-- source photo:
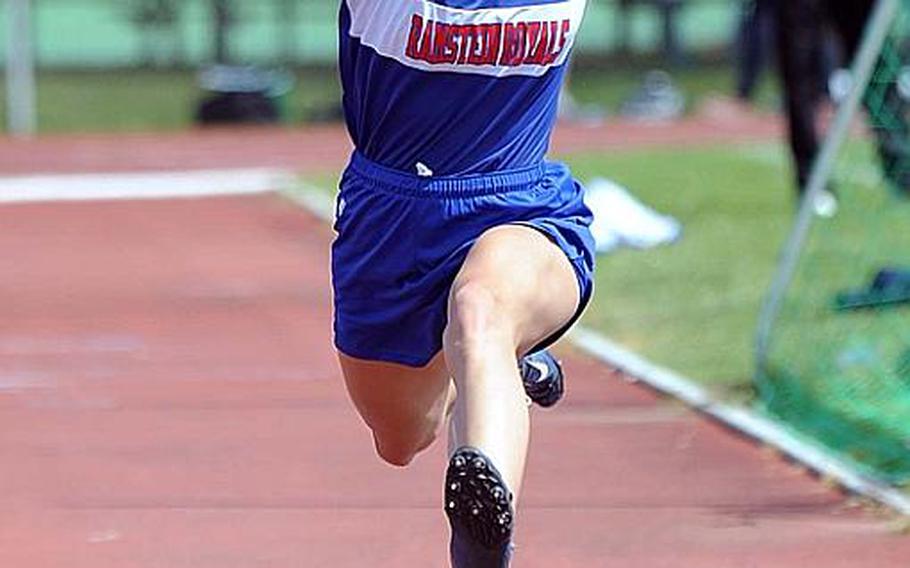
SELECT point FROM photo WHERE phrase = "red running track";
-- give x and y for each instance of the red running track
(169, 399)
(326, 148)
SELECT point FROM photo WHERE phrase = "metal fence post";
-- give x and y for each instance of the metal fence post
(20, 69)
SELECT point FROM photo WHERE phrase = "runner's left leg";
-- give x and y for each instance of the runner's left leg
(514, 290)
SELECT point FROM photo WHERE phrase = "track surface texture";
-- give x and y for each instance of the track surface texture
(169, 399)
(327, 148)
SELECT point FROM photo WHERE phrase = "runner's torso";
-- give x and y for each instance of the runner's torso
(458, 86)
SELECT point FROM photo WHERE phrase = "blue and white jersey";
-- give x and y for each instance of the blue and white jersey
(454, 87)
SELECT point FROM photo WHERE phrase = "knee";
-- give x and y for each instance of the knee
(399, 451)
(476, 312)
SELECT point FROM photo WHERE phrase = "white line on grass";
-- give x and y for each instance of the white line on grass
(312, 198)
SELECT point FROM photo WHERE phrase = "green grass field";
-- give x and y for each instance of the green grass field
(143, 101)
(844, 375)
(693, 306)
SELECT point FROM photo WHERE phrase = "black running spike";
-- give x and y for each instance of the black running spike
(478, 502)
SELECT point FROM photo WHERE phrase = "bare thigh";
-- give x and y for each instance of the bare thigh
(531, 281)
(403, 406)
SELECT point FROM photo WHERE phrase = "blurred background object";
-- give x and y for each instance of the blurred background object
(657, 98)
(238, 94)
(825, 367)
(19, 69)
(621, 220)
(157, 22)
(669, 13)
(755, 44)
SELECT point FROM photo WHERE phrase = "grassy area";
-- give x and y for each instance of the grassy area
(125, 101)
(844, 376)
(138, 100)
(693, 306)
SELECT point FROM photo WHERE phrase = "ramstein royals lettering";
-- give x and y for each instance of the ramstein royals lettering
(510, 44)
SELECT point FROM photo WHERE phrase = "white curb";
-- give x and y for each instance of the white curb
(742, 419)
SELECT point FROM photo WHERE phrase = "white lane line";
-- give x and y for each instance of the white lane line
(142, 185)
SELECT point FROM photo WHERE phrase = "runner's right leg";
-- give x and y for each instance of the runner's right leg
(403, 406)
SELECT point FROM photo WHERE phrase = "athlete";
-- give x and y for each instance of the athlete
(461, 253)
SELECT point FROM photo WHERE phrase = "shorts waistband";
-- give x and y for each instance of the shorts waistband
(405, 183)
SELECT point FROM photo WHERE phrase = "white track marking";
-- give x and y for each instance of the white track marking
(142, 185)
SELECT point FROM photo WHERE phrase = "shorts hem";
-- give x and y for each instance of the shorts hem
(406, 359)
(586, 295)
(584, 279)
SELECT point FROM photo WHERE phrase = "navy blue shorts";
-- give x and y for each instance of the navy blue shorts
(401, 240)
